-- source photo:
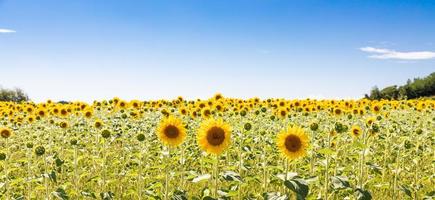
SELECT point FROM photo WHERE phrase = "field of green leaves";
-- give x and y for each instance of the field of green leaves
(219, 148)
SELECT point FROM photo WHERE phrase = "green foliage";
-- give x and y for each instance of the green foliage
(298, 186)
(15, 95)
(419, 87)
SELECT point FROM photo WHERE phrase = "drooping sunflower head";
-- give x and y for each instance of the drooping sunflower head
(171, 131)
(5, 133)
(355, 131)
(293, 142)
(214, 136)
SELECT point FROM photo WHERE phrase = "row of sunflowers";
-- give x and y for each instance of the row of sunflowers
(220, 148)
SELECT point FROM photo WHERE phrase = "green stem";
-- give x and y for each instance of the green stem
(361, 166)
(139, 179)
(327, 170)
(29, 173)
(6, 168)
(263, 155)
(167, 174)
(216, 176)
(396, 174)
(76, 173)
(416, 174)
(104, 166)
(47, 189)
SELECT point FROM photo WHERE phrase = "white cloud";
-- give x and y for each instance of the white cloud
(392, 54)
(7, 31)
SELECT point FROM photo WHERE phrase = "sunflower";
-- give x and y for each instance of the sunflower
(171, 131)
(63, 112)
(98, 124)
(30, 119)
(214, 136)
(63, 124)
(370, 121)
(292, 142)
(183, 111)
(41, 112)
(206, 113)
(337, 111)
(122, 104)
(356, 131)
(376, 107)
(282, 113)
(5, 133)
(88, 113)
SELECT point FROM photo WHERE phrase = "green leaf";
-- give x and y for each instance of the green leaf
(53, 176)
(359, 145)
(298, 186)
(59, 162)
(275, 196)
(375, 168)
(20, 198)
(179, 195)
(231, 176)
(290, 175)
(107, 195)
(326, 151)
(201, 178)
(429, 195)
(340, 182)
(406, 190)
(362, 194)
(60, 194)
(89, 194)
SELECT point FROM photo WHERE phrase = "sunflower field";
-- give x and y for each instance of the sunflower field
(220, 148)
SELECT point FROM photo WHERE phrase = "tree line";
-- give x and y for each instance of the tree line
(419, 87)
(15, 95)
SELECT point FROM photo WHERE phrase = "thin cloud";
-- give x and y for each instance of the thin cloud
(7, 31)
(392, 54)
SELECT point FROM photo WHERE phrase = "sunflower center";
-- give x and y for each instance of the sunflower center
(171, 131)
(293, 143)
(215, 136)
(355, 131)
(5, 133)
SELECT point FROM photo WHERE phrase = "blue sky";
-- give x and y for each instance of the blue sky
(98, 49)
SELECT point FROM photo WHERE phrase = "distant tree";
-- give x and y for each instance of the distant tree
(419, 87)
(15, 95)
(390, 92)
(375, 93)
